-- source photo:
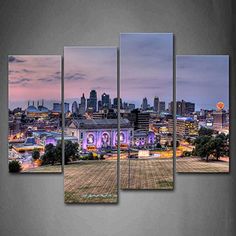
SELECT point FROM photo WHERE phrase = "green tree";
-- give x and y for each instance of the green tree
(58, 153)
(35, 154)
(71, 150)
(49, 156)
(205, 132)
(14, 166)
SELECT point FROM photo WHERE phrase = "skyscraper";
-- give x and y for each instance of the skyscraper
(187, 107)
(156, 105)
(145, 104)
(99, 105)
(82, 105)
(115, 103)
(74, 108)
(162, 106)
(140, 119)
(92, 101)
(105, 100)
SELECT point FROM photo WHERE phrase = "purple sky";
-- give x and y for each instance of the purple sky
(203, 80)
(87, 68)
(146, 67)
(34, 78)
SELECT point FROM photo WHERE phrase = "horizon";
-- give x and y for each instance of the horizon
(204, 78)
(33, 77)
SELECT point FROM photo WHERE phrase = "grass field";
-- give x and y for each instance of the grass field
(196, 165)
(146, 174)
(91, 182)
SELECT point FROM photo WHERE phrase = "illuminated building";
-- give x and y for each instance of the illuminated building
(185, 126)
(143, 138)
(36, 112)
(30, 144)
(95, 134)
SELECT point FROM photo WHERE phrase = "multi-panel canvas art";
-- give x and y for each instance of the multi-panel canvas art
(202, 113)
(90, 93)
(118, 130)
(146, 109)
(35, 123)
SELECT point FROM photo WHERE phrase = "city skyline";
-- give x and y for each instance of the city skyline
(204, 79)
(29, 74)
(146, 66)
(88, 68)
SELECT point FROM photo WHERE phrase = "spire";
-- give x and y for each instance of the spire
(42, 102)
(38, 103)
(33, 103)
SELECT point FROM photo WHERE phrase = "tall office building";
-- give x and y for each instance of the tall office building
(115, 103)
(99, 105)
(156, 105)
(179, 108)
(219, 119)
(184, 108)
(57, 107)
(140, 119)
(162, 106)
(145, 104)
(131, 106)
(188, 107)
(92, 101)
(74, 108)
(82, 105)
(105, 100)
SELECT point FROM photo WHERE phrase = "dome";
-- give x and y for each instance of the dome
(43, 109)
(32, 108)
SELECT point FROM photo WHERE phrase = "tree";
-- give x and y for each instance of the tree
(71, 150)
(14, 166)
(201, 146)
(205, 132)
(35, 154)
(49, 156)
(187, 154)
(90, 156)
(58, 153)
(159, 145)
(206, 146)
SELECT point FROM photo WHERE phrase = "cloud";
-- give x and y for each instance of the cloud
(51, 78)
(28, 71)
(13, 59)
(75, 76)
(20, 81)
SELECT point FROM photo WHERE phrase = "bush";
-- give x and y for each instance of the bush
(90, 156)
(35, 154)
(187, 154)
(14, 166)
